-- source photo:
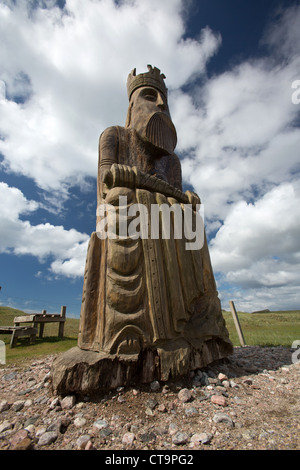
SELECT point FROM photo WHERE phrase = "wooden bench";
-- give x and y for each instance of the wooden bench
(39, 319)
(18, 332)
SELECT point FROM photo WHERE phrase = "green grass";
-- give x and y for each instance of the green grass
(279, 328)
(264, 329)
(49, 344)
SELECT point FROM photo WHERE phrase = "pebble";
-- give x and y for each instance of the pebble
(180, 438)
(173, 428)
(219, 400)
(5, 426)
(31, 418)
(47, 438)
(202, 437)
(20, 440)
(68, 402)
(4, 405)
(79, 422)
(82, 441)
(184, 395)
(18, 405)
(191, 410)
(100, 424)
(223, 418)
(155, 386)
(128, 438)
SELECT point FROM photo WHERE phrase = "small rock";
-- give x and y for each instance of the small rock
(68, 402)
(162, 408)
(180, 438)
(30, 428)
(233, 384)
(147, 437)
(4, 405)
(20, 440)
(184, 395)
(5, 426)
(47, 438)
(173, 428)
(222, 377)
(155, 386)
(105, 432)
(191, 410)
(100, 424)
(18, 405)
(82, 441)
(40, 430)
(223, 418)
(54, 403)
(151, 403)
(219, 400)
(10, 376)
(128, 438)
(226, 383)
(202, 437)
(89, 446)
(31, 420)
(79, 422)
(28, 403)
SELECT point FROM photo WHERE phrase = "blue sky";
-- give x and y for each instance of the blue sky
(229, 67)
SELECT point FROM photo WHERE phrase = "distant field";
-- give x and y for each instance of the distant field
(279, 328)
(264, 329)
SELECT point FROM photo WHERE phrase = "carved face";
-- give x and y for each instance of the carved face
(150, 117)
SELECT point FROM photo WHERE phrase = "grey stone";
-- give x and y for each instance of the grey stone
(223, 418)
(47, 438)
(4, 405)
(68, 402)
(180, 438)
(83, 440)
(191, 410)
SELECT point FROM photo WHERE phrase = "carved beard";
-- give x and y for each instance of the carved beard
(161, 133)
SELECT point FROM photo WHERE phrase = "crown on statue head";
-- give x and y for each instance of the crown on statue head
(151, 78)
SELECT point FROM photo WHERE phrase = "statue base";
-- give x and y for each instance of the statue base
(83, 372)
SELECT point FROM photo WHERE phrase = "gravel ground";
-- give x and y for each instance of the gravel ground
(250, 401)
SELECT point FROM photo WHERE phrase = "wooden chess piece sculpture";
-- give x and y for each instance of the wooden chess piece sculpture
(150, 308)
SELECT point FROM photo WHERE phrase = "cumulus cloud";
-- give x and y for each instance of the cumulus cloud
(259, 244)
(67, 70)
(240, 140)
(67, 247)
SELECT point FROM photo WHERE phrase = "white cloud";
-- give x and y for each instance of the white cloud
(67, 247)
(264, 229)
(241, 141)
(71, 66)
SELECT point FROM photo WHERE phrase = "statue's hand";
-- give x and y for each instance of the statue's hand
(120, 175)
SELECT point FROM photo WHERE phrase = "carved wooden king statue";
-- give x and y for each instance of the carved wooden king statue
(150, 309)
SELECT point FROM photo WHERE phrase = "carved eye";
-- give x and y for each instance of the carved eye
(149, 94)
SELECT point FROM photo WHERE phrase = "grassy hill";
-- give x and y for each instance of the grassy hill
(279, 328)
(265, 329)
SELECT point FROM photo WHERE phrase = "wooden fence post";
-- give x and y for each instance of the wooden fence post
(42, 325)
(62, 323)
(237, 323)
